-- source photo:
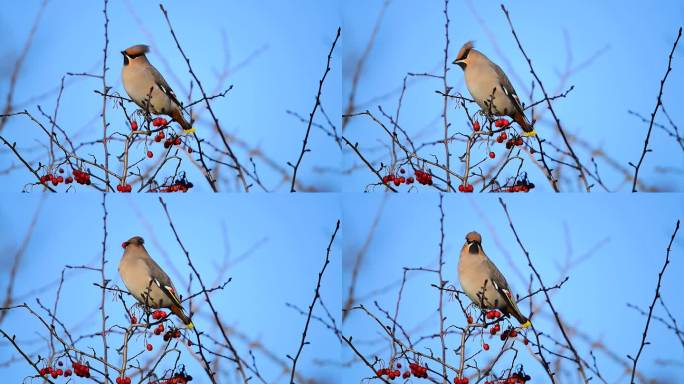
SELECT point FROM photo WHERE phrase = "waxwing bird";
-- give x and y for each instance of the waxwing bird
(490, 87)
(147, 87)
(147, 282)
(483, 283)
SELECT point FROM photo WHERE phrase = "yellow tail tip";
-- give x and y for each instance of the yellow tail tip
(531, 133)
(526, 325)
(192, 326)
(189, 131)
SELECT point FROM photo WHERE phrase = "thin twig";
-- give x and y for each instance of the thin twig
(655, 110)
(655, 298)
(313, 113)
(313, 303)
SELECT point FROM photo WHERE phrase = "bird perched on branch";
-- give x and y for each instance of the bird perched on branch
(490, 87)
(147, 87)
(147, 282)
(483, 283)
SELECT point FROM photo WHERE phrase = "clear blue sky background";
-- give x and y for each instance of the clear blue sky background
(290, 234)
(634, 37)
(631, 233)
(286, 44)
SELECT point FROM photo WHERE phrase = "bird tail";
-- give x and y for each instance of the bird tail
(177, 116)
(522, 121)
(178, 311)
(513, 310)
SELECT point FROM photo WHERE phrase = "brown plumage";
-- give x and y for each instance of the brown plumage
(146, 281)
(490, 88)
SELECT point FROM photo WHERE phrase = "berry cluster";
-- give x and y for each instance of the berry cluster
(172, 334)
(124, 188)
(521, 185)
(466, 188)
(179, 185)
(159, 122)
(515, 141)
(55, 180)
(158, 315)
(171, 141)
(422, 177)
(460, 380)
(178, 378)
(55, 372)
(418, 370)
(415, 369)
(519, 377)
(159, 329)
(493, 314)
(81, 370)
(80, 176)
(500, 123)
(123, 380)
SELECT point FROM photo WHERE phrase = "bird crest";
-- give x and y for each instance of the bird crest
(465, 49)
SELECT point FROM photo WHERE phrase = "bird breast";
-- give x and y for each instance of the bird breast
(137, 81)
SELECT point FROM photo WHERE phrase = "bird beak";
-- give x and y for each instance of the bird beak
(123, 53)
(461, 63)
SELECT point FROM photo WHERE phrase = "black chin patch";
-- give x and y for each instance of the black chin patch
(125, 60)
(473, 248)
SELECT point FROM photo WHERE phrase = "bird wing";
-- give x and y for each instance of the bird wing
(162, 280)
(498, 280)
(501, 285)
(508, 89)
(164, 86)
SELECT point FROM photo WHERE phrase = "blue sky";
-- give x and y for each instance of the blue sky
(618, 245)
(285, 46)
(286, 237)
(628, 41)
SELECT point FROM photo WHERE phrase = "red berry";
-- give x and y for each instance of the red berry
(503, 136)
(525, 341)
(157, 138)
(69, 180)
(61, 170)
(150, 154)
(409, 180)
(492, 155)
(461, 188)
(189, 149)
(469, 188)
(119, 188)
(134, 320)
(134, 125)
(470, 319)
(406, 375)
(67, 373)
(485, 346)
(476, 126)
(177, 141)
(149, 347)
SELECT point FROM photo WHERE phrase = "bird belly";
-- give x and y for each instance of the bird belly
(481, 292)
(146, 292)
(490, 98)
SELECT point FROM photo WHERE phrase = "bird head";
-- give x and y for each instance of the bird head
(135, 240)
(473, 242)
(134, 52)
(462, 57)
